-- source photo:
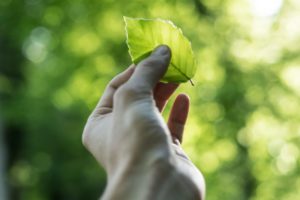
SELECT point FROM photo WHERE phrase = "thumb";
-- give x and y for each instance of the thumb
(149, 71)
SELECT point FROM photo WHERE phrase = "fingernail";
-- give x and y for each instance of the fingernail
(161, 50)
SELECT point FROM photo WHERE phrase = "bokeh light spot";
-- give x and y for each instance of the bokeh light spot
(35, 47)
(265, 8)
(290, 76)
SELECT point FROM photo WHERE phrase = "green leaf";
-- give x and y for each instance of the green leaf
(143, 35)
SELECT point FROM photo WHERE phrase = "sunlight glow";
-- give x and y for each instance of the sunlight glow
(35, 47)
(290, 76)
(265, 8)
(287, 159)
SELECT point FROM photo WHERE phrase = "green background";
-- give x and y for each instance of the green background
(56, 56)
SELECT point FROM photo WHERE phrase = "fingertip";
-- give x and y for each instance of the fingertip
(178, 115)
(150, 70)
(182, 103)
(162, 50)
(184, 97)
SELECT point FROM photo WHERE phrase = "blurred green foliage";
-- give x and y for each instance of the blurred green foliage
(243, 132)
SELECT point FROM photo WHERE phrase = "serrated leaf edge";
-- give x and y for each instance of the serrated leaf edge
(174, 26)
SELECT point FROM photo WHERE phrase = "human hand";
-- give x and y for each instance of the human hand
(127, 134)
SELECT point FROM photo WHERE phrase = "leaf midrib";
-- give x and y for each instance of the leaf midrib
(146, 54)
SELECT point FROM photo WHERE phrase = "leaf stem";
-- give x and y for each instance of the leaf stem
(191, 81)
(183, 74)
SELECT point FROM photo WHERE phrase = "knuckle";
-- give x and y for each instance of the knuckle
(85, 138)
(112, 83)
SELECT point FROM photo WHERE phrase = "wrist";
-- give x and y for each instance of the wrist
(137, 178)
(132, 155)
(157, 178)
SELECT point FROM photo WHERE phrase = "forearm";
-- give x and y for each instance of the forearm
(160, 181)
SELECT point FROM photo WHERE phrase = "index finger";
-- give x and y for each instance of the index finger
(162, 93)
(105, 103)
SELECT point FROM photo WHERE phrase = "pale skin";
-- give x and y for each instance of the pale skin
(127, 135)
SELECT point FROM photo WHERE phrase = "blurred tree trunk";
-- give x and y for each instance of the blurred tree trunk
(3, 156)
